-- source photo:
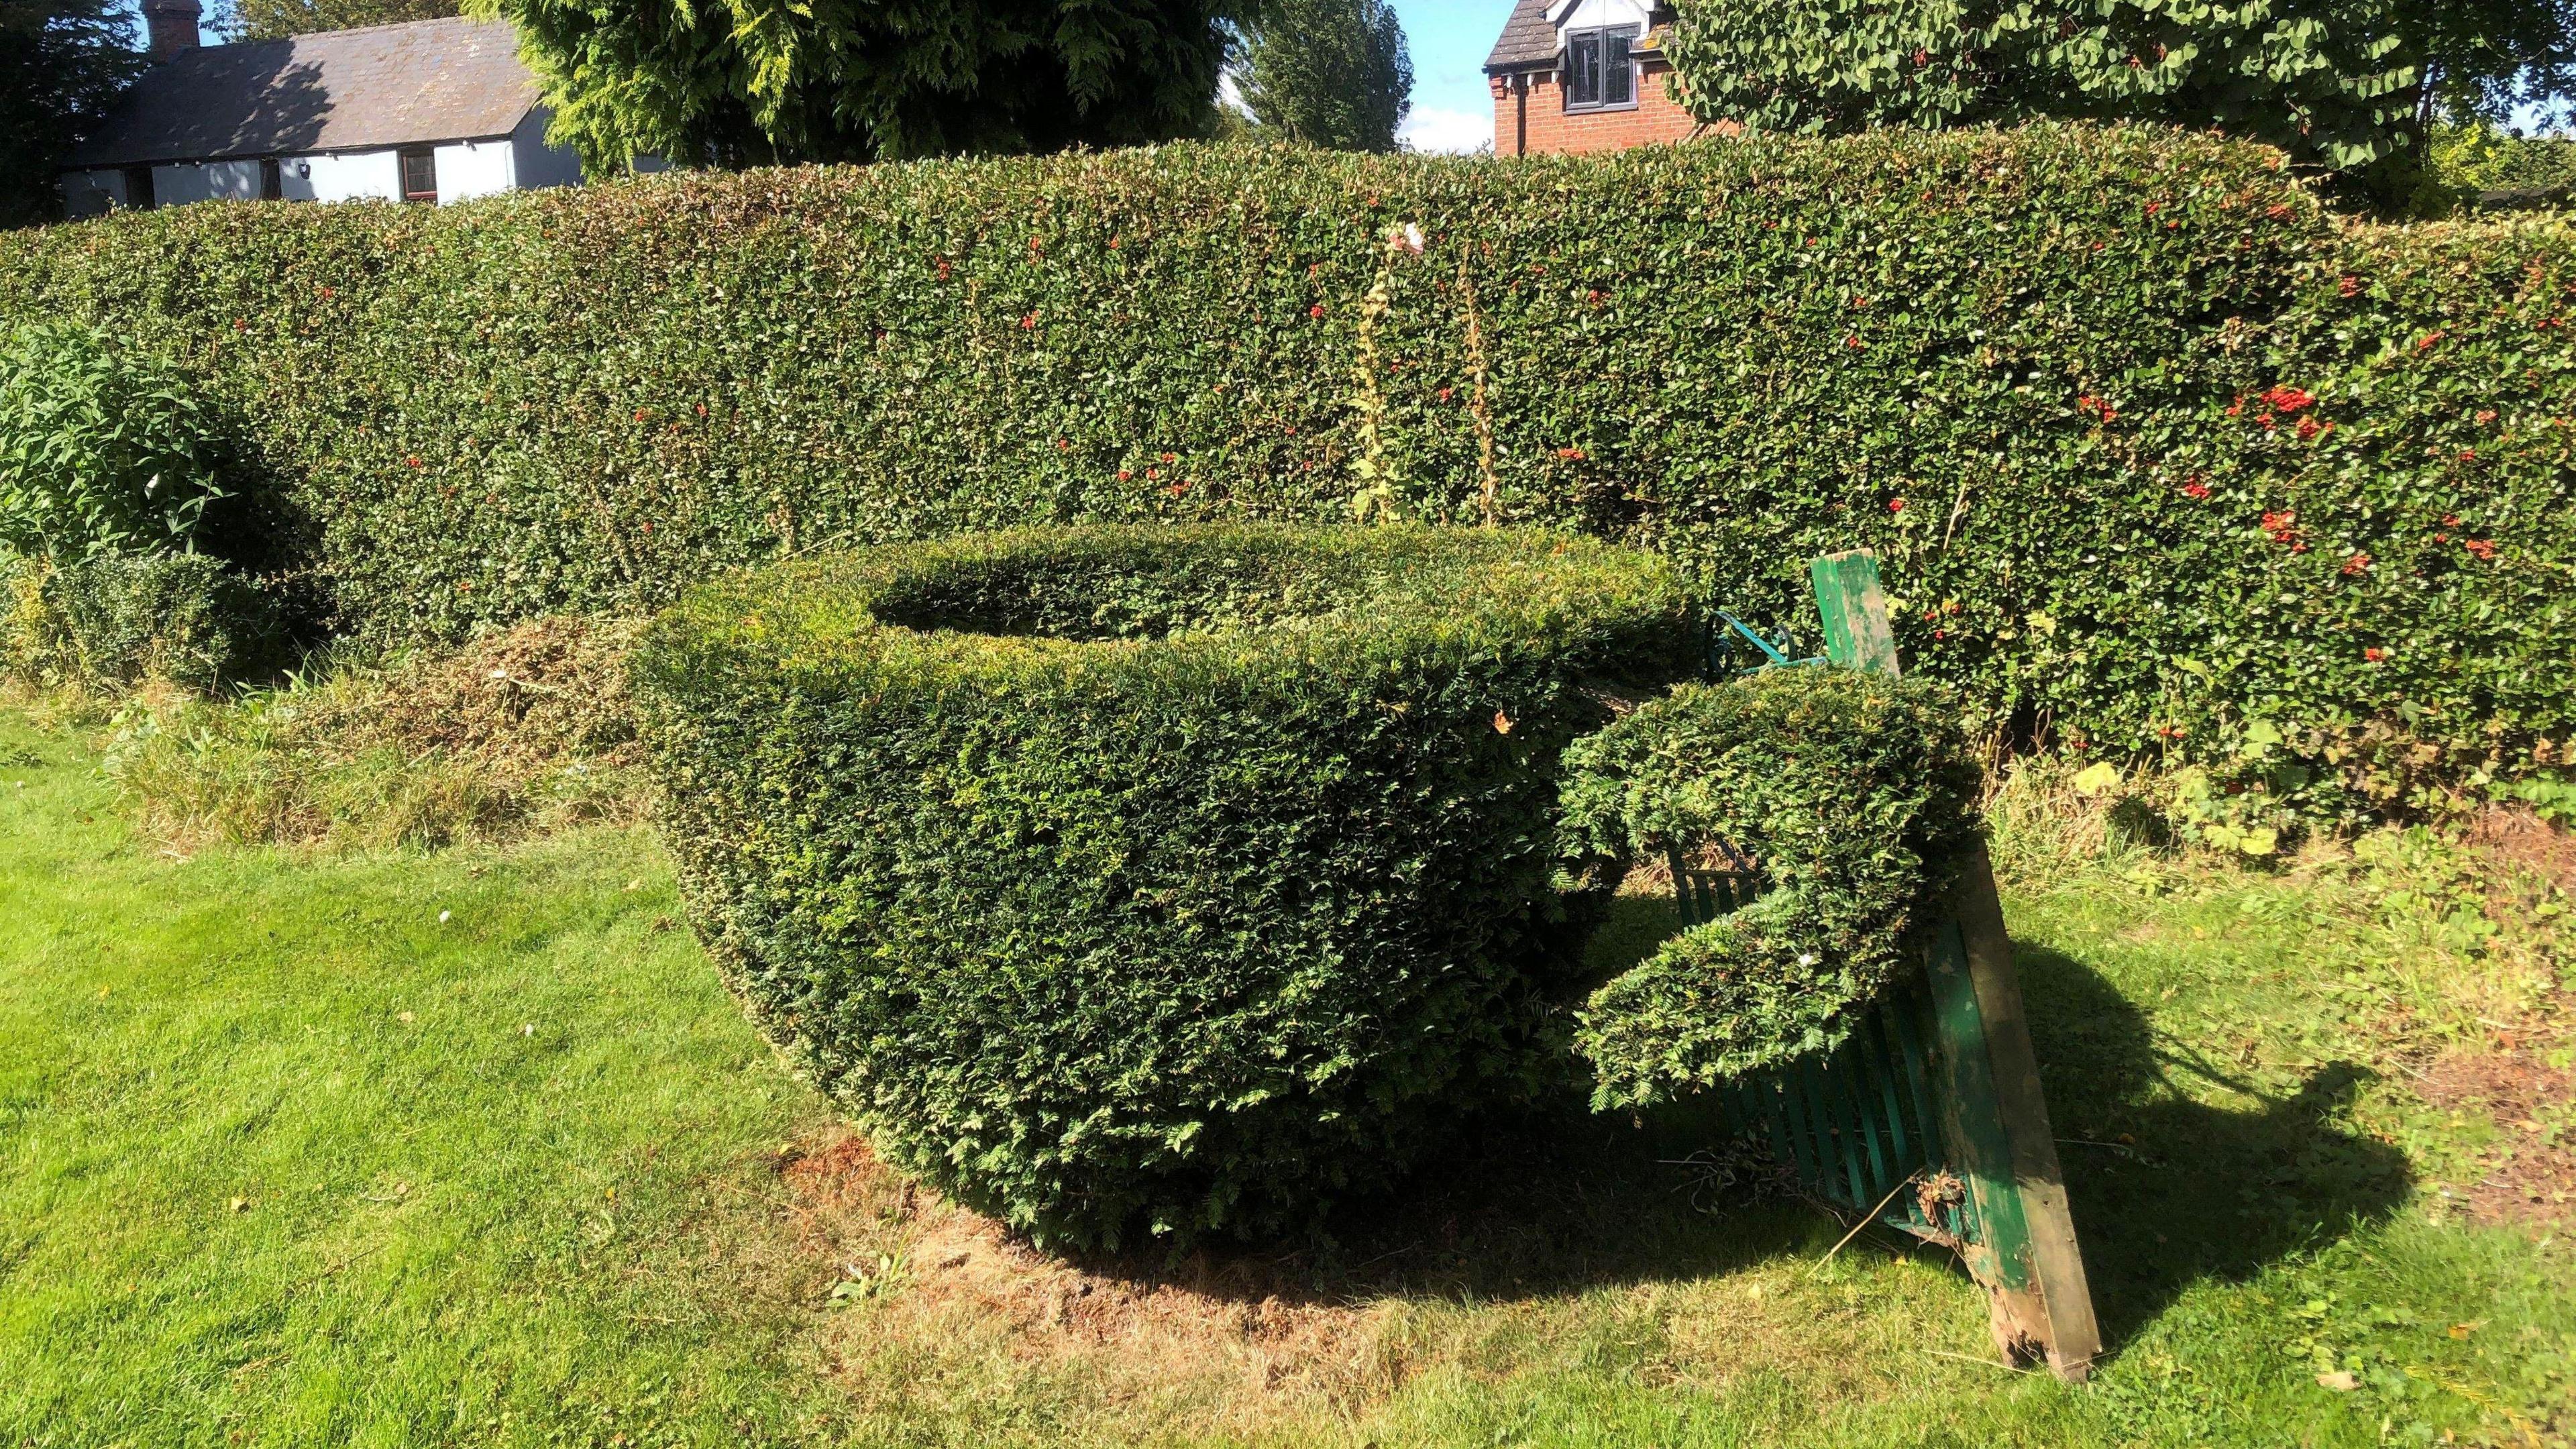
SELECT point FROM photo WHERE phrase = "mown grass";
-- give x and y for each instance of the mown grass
(469, 1147)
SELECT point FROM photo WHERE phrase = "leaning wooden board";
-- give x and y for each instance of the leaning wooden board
(1937, 1088)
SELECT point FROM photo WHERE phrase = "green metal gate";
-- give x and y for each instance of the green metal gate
(1929, 1116)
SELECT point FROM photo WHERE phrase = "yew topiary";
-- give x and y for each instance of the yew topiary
(1137, 881)
(1854, 796)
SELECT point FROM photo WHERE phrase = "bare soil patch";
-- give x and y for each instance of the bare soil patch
(1226, 1329)
(2532, 1176)
(2520, 838)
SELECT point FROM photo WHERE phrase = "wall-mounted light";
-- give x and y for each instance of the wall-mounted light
(304, 169)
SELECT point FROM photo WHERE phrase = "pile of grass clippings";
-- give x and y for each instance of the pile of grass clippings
(519, 731)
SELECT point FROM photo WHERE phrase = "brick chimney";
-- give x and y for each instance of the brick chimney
(173, 24)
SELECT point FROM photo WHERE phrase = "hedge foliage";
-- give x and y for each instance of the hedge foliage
(114, 619)
(2140, 434)
(1148, 879)
(1854, 795)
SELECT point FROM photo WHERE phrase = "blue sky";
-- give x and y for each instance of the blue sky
(1449, 38)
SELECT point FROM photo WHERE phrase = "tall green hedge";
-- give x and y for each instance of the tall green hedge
(1159, 879)
(2059, 378)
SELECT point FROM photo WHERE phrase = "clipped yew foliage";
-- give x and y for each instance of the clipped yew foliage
(2121, 411)
(1148, 881)
(1855, 796)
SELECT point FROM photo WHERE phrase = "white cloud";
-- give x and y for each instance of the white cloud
(1429, 128)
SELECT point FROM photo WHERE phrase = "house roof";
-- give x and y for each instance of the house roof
(1528, 41)
(340, 90)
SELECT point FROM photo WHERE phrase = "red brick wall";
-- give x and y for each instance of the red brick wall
(1656, 117)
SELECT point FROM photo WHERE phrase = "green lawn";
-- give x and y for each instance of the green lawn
(472, 1148)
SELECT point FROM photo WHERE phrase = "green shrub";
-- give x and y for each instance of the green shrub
(1163, 879)
(2480, 157)
(115, 619)
(2006, 361)
(101, 448)
(1852, 794)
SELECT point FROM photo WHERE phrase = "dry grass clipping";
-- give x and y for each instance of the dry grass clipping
(520, 731)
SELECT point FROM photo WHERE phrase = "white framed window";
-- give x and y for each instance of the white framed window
(1601, 68)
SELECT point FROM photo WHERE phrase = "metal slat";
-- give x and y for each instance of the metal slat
(1863, 1086)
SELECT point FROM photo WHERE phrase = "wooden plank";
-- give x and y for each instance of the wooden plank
(1994, 1119)
(2070, 1335)
(1857, 633)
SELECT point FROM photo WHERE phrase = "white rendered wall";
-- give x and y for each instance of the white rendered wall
(518, 161)
(176, 186)
(348, 176)
(205, 181)
(1586, 14)
(473, 168)
(537, 164)
(293, 184)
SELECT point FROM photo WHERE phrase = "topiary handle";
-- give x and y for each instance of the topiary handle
(1840, 801)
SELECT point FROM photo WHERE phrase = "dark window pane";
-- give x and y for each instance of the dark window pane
(1616, 78)
(1583, 69)
(138, 187)
(272, 185)
(420, 176)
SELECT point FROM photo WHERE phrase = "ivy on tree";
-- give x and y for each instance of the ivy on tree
(1331, 73)
(760, 81)
(2343, 85)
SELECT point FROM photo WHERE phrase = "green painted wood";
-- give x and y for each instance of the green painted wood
(1854, 606)
(2064, 1328)
(2019, 1237)
(1937, 1077)
(1980, 1145)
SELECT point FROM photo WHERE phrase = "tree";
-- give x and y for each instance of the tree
(2487, 60)
(274, 19)
(2342, 85)
(62, 64)
(756, 81)
(1332, 73)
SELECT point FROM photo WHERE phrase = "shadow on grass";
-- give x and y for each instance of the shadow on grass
(2202, 1192)
(1557, 1199)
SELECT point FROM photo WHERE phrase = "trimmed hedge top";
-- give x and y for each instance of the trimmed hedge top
(1221, 597)
(1148, 880)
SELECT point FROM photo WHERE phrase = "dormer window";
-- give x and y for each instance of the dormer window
(1600, 71)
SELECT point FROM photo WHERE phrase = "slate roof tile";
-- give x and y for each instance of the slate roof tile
(340, 90)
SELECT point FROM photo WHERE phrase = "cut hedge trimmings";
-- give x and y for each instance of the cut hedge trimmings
(1853, 793)
(1156, 879)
